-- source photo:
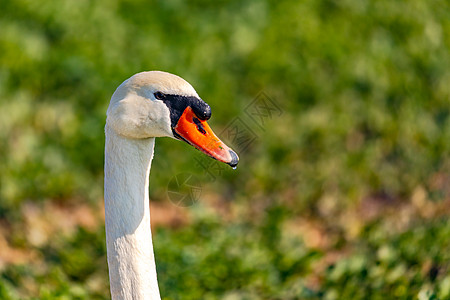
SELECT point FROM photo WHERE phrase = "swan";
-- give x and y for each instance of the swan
(145, 106)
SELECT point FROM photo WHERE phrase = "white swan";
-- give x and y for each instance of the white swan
(145, 106)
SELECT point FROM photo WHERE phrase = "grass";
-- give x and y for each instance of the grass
(341, 193)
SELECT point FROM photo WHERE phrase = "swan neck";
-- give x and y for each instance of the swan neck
(131, 261)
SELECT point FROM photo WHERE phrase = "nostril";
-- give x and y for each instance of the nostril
(200, 127)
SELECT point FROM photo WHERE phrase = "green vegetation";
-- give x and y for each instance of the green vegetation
(343, 196)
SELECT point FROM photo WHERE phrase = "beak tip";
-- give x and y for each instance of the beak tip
(234, 159)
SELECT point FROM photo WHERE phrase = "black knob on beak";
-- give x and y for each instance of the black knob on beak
(201, 109)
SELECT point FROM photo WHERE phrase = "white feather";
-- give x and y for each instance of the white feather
(134, 119)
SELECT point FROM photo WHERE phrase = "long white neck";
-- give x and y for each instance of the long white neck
(131, 261)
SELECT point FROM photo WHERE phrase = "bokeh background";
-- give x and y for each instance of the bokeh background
(342, 194)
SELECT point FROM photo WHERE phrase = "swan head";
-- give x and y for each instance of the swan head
(160, 104)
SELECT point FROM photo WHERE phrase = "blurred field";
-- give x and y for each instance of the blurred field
(343, 194)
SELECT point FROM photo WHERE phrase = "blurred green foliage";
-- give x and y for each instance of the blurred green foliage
(364, 87)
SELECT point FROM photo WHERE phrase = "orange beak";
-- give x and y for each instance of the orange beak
(198, 133)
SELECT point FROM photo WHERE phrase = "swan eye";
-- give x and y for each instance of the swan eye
(159, 95)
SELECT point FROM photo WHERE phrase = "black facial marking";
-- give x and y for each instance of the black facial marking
(177, 104)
